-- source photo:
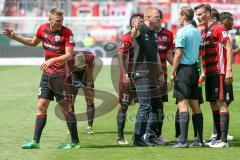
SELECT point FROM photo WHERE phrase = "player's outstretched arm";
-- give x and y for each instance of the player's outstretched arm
(24, 40)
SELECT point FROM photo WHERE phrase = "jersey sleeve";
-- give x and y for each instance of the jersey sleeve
(69, 39)
(39, 33)
(221, 34)
(125, 45)
(180, 39)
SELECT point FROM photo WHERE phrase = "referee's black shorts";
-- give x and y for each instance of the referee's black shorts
(186, 82)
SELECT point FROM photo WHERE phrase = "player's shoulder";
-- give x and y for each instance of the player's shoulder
(66, 29)
(218, 27)
(167, 31)
(44, 26)
(127, 37)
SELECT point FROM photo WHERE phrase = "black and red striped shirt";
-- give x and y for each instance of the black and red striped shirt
(126, 47)
(165, 43)
(213, 51)
(54, 44)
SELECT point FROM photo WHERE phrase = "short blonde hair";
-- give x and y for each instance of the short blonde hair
(55, 11)
(149, 12)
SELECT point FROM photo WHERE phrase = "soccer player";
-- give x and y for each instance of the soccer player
(126, 91)
(165, 51)
(146, 73)
(58, 44)
(216, 52)
(81, 75)
(227, 21)
(185, 74)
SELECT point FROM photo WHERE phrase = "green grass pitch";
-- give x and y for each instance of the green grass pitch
(18, 98)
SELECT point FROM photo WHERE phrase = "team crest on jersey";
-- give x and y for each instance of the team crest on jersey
(164, 38)
(209, 33)
(57, 38)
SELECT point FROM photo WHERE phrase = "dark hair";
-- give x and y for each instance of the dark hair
(161, 13)
(225, 15)
(215, 14)
(207, 7)
(194, 23)
(188, 12)
(135, 15)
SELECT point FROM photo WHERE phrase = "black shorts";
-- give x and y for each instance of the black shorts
(216, 89)
(186, 82)
(80, 81)
(200, 96)
(53, 86)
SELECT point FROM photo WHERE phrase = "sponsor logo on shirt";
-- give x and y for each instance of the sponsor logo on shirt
(51, 46)
(162, 47)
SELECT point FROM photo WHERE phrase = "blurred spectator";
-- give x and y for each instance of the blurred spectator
(11, 8)
(88, 41)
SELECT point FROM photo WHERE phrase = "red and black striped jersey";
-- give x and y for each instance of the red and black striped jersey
(165, 43)
(126, 47)
(213, 51)
(54, 44)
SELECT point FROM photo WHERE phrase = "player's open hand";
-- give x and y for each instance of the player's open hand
(8, 32)
(137, 23)
(228, 77)
(46, 64)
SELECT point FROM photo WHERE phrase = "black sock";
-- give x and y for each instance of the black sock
(177, 125)
(90, 114)
(197, 120)
(216, 120)
(184, 120)
(214, 129)
(39, 125)
(194, 126)
(224, 123)
(72, 126)
(160, 122)
(121, 120)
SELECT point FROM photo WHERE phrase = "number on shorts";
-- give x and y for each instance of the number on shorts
(39, 91)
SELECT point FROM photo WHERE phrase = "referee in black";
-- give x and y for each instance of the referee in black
(146, 74)
(185, 74)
